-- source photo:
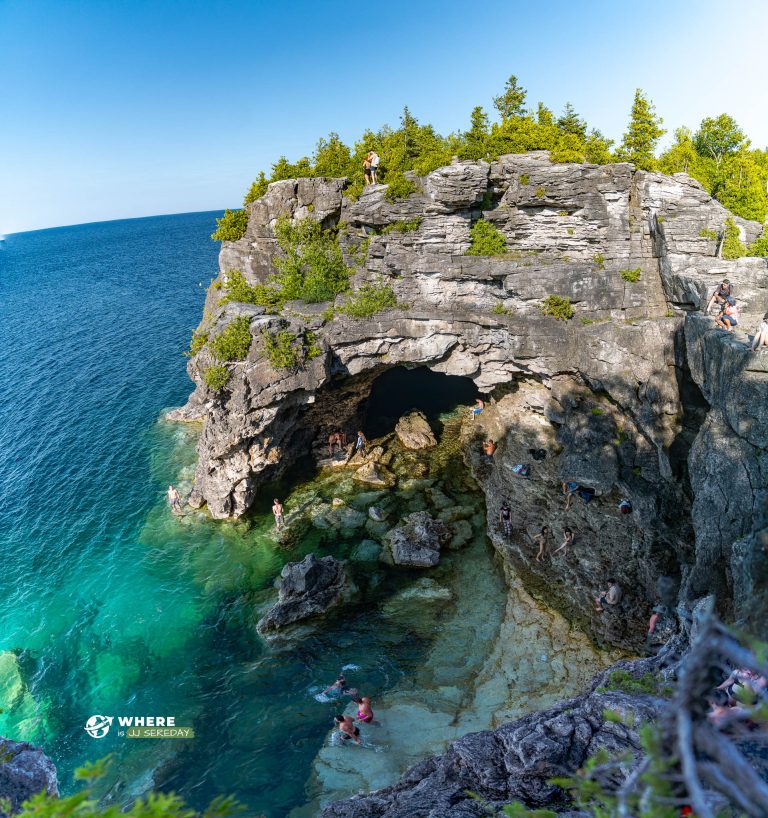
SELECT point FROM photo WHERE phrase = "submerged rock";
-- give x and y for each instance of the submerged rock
(417, 542)
(25, 771)
(373, 475)
(414, 431)
(307, 588)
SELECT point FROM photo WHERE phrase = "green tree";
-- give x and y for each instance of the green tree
(597, 148)
(544, 115)
(569, 148)
(475, 140)
(718, 137)
(511, 102)
(639, 143)
(740, 184)
(570, 122)
(332, 157)
(257, 189)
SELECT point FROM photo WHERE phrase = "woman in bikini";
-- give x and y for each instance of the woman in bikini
(364, 709)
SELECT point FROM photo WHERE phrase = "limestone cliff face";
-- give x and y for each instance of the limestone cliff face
(637, 395)
(24, 772)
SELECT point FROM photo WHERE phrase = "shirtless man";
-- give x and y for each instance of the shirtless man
(174, 501)
(278, 511)
(347, 728)
(334, 440)
(338, 685)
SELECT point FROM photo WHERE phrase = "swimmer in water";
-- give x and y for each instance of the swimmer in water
(338, 685)
(364, 709)
(347, 728)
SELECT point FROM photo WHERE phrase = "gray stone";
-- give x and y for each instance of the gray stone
(25, 771)
(414, 432)
(416, 542)
(307, 588)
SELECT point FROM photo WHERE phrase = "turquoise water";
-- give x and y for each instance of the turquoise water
(109, 605)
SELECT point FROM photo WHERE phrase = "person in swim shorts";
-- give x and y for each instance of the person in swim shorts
(347, 728)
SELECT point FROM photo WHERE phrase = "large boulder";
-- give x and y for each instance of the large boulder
(414, 432)
(25, 771)
(416, 542)
(307, 588)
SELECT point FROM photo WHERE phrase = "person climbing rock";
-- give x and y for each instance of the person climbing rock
(374, 157)
(364, 709)
(721, 293)
(476, 409)
(361, 443)
(662, 626)
(174, 501)
(278, 511)
(761, 335)
(567, 542)
(542, 539)
(347, 728)
(505, 517)
(729, 317)
(610, 597)
(337, 686)
(489, 447)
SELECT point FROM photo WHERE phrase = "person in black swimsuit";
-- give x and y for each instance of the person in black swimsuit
(347, 728)
(505, 515)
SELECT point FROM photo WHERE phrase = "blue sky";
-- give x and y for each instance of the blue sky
(140, 107)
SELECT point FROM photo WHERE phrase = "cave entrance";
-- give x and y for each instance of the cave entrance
(400, 390)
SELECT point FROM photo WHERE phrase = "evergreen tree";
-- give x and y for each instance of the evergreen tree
(571, 123)
(597, 148)
(257, 189)
(640, 140)
(718, 137)
(332, 157)
(544, 115)
(474, 141)
(512, 102)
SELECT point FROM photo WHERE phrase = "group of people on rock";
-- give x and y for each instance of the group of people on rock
(727, 313)
(340, 439)
(348, 730)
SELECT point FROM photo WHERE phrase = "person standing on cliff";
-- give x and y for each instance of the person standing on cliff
(542, 539)
(505, 516)
(278, 511)
(567, 542)
(174, 501)
(367, 168)
(374, 157)
(361, 443)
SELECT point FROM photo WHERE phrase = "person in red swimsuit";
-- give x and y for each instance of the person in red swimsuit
(364, 709)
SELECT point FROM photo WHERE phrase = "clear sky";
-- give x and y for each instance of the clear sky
(140, 107)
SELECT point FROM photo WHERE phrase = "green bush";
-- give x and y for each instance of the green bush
(541, 192)
(705, 233)
(569, 231)
(370, 299)
(596, 410)
(231, 226)
(732, 247)
(257, 189)
(403, 227)
(398, 187)
(239, 290)
(500, 309)
(233, 343)
(524, 179)
(285, 350)
(197, 342)
(216, 376)
(558, 307)
(599, 260)
(487, 240)
(311, 267)
(632, 276)
(759, 247)
(624, 681)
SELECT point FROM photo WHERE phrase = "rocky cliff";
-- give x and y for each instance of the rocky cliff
(638, 395)
(25, 770)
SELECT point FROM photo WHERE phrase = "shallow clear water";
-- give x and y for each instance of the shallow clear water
(109, 605)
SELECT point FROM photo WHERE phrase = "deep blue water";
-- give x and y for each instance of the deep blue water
(108, 604)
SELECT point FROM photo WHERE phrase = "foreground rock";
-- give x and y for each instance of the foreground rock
(515, 761)
(307, 588)
(414, 431)
(417, 542)
(25, 770)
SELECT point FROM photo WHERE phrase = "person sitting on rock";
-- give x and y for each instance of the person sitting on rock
(505, 516)
(745, 678)
(542, 539)
(361, 443)
(476, 409)
(569, 489)
(489, 447)
(567, 541)
(729, 317)
(761, 336)
(723, 291)
(364, 709)
(347, 728)
(278, 511)
(610, 597)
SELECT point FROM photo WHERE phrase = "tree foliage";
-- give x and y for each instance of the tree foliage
(487, 240)
(511, 103)
(231, 226)
(639, 143)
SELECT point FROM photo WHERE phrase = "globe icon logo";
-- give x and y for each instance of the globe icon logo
(98, 726)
